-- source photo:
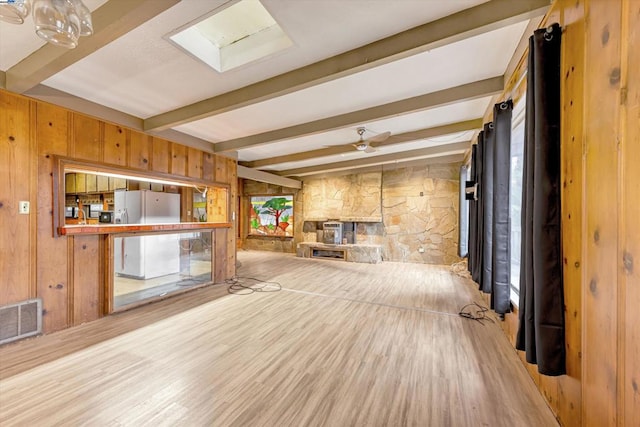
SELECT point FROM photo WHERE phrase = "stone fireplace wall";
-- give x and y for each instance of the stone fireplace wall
(355, 197)
(412, 211)
(418, 210)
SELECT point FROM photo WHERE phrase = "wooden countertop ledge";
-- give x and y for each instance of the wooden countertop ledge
(71, 230)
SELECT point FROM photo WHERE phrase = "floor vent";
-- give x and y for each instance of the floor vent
(20, 320)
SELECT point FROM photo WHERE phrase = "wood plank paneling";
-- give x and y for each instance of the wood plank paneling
(629, 245)
(87, 142)
(33, 217)
(217, 204)
(178, 159)
(52, 129)
(569, 386)
(15, 149)
(160, 155)
(221, 170)
(115, 144)
(208, 167)
(234, 201)
(52, 134)
(138, 151)
(87, 282)
(194, 162)
(220, 267)
(66, 272)
(602, 107)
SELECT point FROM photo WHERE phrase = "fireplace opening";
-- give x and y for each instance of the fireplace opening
(327, 253)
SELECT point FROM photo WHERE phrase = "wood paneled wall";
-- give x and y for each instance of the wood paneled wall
(600, 210)
(68, 273)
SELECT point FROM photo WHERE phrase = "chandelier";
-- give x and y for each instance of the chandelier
(59, 22)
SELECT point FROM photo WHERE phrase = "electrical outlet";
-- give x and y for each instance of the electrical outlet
(23, 207)
(421, 249)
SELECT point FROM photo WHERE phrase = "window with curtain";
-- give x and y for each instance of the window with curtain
(463, 212)
(515, 194)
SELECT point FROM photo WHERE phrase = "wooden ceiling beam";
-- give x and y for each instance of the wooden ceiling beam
(110, 21)
(438, 151)
(440, 98)
(410, 163)
(261, 176)
(431, 132)
(467, 23)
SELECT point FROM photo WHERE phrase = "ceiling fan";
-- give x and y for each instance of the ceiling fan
(364, 144)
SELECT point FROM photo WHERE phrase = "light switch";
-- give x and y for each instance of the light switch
(23, 207)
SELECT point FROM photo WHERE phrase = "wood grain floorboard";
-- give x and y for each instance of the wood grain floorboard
(341, 345)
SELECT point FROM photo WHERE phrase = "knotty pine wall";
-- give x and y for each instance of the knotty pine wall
(600, 214)
(68, 273)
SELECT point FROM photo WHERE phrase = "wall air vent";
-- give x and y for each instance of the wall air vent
(20, 320)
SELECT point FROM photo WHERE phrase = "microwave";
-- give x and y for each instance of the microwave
(106, 217)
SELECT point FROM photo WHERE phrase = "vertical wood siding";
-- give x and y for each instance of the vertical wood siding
(600, 210)
(68, 273)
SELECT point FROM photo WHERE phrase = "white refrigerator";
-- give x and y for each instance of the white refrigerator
(146, 257)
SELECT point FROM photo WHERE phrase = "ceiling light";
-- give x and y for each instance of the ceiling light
(59, 22)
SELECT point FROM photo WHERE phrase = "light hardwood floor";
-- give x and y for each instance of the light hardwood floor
(342, 344)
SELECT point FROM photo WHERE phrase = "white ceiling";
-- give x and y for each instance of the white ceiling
(142, 75)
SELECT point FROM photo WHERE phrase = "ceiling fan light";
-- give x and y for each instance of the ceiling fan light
(56, 22)
(14, 13)
(86, 24)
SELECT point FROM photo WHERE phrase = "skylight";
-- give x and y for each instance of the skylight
(239, 34)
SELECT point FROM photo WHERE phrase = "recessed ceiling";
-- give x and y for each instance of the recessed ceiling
(410, 67)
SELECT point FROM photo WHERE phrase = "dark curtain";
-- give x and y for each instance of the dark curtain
(487, 208)
(473, 218)
(541, 329)
(500, 258)
(476, 274)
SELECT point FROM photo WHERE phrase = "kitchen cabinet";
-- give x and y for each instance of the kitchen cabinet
(81, 183)
(78, 183)
(92, 183)
(117, 183)
(102, 183)
(70, 183)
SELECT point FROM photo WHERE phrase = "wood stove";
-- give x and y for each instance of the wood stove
(332, 232)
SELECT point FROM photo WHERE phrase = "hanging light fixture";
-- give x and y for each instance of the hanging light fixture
(59, 22)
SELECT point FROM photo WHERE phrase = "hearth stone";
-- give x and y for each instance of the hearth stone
(369, 254)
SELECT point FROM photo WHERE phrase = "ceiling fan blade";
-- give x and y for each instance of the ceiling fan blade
(379, 138)
(370, 149)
